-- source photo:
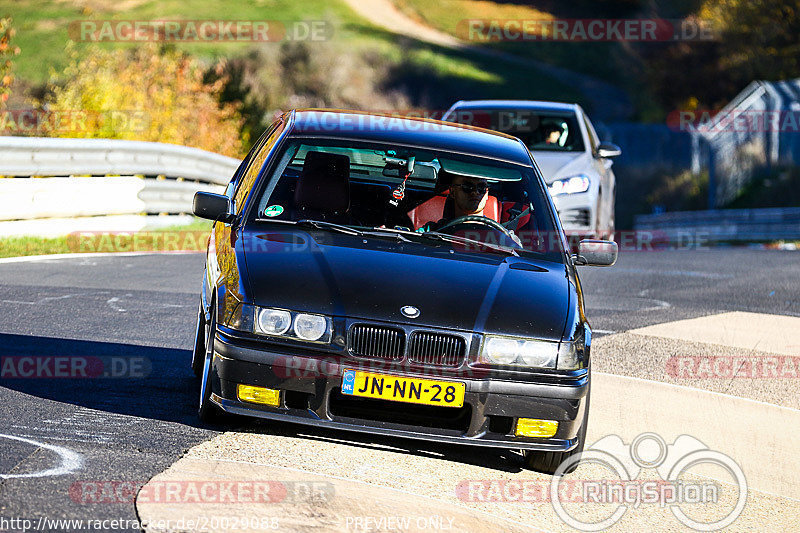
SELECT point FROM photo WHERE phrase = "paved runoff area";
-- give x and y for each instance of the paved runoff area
(700, 382)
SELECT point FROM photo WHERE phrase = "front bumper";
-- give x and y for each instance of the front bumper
(310, 394)
(577, 212)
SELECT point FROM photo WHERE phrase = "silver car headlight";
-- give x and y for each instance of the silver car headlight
(283, 323)
(571, 185)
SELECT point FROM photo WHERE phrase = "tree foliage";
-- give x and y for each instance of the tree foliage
(147, 93)
(6, 53)
(752, 40)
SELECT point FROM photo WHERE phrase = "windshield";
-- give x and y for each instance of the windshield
(425, 196)
(540, 130)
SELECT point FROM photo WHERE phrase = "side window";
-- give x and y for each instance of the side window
(592, 135)
(260, 153)
(231, 187)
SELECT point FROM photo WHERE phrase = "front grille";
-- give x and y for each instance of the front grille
(574, 217)
(436, 349)
(377, 342)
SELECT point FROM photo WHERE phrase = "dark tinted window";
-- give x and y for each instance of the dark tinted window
(355, 184)
(538, 129)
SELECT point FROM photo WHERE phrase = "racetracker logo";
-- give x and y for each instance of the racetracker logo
(200, 492)
(39, 121)
(724, 367)
(311, 368)
(735, 121)
(203, 31)
(73, 367)
(583, 30)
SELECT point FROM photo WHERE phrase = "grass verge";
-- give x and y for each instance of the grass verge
(187, 237)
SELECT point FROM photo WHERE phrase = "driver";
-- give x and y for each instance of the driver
(468, 196)
(552, 134)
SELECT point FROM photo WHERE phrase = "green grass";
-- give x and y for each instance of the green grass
(20, 246)
(43, 25)
(435, 76)
(449, 16)
(186, 237)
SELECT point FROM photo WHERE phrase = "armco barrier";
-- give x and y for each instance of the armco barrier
(182, 172)
(35, 198)
(42, 156)
(724, 225)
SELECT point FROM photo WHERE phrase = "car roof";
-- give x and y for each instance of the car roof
(515, 104)
(411, 131)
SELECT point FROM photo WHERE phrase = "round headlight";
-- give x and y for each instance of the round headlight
(310, 327)
(539, 354)
(274, 321)
(501, 351)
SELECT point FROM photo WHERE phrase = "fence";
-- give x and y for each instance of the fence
(90, 177)
(724, 225)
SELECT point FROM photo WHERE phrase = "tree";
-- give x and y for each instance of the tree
(6, 53)
(147, 93)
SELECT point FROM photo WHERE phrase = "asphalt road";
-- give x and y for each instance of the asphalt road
(135, 316)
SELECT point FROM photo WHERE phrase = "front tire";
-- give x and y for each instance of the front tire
(207, 411)
(547, 462)
(199, 351)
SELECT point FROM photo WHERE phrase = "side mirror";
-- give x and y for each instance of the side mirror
(596, 253)
(608, 150)
(211, 206)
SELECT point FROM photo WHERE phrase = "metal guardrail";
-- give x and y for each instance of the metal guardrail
(723, 225)
(182, 171)
(44, 156)
(36, 198)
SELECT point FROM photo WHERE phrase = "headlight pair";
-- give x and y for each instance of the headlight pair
(284, 323)
(529, 353)
(571, 185)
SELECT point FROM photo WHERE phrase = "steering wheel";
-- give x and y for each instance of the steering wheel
(481, 220)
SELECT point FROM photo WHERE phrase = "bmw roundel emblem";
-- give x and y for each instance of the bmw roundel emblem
(410, 311)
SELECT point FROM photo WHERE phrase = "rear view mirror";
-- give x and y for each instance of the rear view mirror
(211, 206)
(608, 150)
(596, 253)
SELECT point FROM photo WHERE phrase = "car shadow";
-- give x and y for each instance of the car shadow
(144, 381)
(157, 383)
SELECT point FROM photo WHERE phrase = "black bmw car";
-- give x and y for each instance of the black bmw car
(396, 276)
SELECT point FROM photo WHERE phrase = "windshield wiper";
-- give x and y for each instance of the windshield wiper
(319, 224)
(445, 237)
(395, 232)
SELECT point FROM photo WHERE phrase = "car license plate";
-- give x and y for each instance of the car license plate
(403, 389)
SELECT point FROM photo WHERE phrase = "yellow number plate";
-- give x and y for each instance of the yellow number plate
(402, 389)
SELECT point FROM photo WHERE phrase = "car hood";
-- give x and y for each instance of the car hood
(373, 278)
(556, 165)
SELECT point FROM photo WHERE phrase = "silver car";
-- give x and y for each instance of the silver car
(575, 164)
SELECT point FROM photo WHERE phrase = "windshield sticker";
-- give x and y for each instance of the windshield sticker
(273, 211)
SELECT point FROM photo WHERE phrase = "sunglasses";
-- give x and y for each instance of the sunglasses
(469, 188)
